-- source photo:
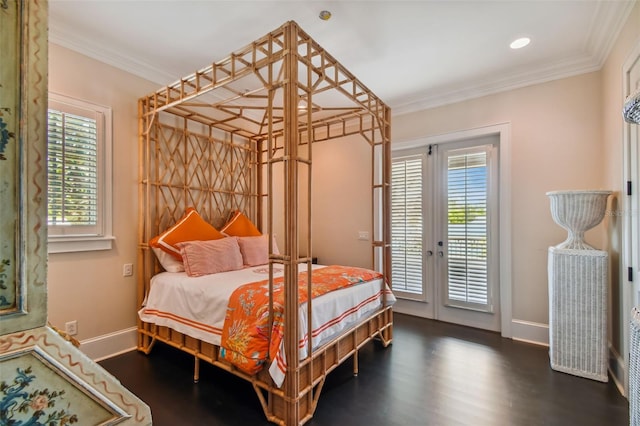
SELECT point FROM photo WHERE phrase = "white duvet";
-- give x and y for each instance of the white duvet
(196, 306)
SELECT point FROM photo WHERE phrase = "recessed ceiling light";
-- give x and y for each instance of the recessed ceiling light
(325, 15)
(520, 43)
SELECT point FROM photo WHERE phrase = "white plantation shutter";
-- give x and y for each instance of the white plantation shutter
(79, 175)
(467, 238)
(406, 226)
(72, 169)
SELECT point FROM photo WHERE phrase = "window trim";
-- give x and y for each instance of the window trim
(103, 238)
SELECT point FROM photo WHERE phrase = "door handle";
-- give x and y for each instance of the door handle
(429, 252)
(440, 253)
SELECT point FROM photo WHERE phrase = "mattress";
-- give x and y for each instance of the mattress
(196, 306)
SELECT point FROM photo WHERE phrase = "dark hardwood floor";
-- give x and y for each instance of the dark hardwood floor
(434, 374)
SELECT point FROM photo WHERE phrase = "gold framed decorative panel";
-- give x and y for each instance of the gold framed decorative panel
(23, 95)
(43, 378)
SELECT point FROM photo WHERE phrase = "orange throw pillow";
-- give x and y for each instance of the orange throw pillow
(240, 226)
(191, 227)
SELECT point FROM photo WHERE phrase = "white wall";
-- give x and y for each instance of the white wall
(341, 202)
(555, 144)
(89, 287)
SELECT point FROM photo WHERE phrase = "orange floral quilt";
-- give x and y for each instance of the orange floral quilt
(245, 335)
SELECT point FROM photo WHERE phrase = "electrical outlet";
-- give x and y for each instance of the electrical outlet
(363, 235)
(71, 328)
(127, 269)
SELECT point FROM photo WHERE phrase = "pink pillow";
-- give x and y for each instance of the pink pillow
(255, 250)
(210, 257)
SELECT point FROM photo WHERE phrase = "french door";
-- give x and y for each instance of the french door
(445, 230)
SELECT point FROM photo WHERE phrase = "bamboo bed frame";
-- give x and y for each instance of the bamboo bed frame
(238, 135)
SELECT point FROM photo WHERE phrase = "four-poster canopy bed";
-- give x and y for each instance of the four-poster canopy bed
(237, 136)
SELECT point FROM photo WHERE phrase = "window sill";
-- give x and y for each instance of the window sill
(77, 244)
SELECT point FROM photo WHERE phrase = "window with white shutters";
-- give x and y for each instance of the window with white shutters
(407, 227)
(467, 238)
(73, 170)
(79, 175)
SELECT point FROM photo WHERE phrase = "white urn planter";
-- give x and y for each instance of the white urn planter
(577, 212)
(578, 275)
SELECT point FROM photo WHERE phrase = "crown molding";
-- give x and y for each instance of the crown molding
(506, 82)
(101, 52)
(606, 24)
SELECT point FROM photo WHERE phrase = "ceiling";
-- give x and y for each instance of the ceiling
(412, 54)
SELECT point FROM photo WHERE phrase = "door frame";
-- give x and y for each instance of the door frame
(503, 132)
(630, 245)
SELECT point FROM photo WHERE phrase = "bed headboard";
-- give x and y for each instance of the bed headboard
(186, 164)
(202, 168)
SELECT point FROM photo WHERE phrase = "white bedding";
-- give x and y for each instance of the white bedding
(196, 306)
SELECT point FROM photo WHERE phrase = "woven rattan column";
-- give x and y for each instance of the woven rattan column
(578, 312)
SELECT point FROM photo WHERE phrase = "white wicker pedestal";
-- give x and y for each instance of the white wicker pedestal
(577, 312)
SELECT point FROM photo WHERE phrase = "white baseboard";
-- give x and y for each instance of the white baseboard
(412, 307)
(617, 370)
(526, 331)
(109, 345)
(531, 332)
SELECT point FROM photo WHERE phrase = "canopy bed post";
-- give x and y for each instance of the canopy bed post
(145, 261)
(257, 189)
(142, 263)
(291, 251)
(387, 333)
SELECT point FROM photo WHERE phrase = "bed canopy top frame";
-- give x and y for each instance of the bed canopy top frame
(237, 135)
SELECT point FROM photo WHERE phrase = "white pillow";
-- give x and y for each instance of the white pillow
(168, 262)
